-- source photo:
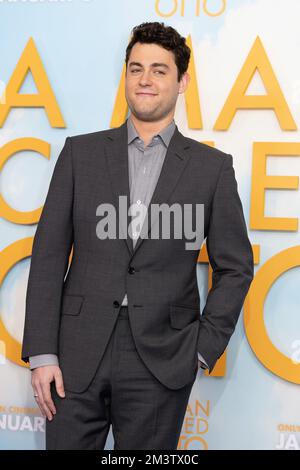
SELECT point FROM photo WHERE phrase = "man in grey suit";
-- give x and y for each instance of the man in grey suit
(118, 338)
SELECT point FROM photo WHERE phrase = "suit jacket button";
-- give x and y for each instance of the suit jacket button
(131, 270)
(116, 304)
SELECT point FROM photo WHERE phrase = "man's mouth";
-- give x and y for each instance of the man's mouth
(146, 94)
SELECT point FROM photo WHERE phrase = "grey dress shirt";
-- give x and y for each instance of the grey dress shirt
(144, 167)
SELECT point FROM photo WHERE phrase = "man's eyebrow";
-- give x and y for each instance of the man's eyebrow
(155, 64)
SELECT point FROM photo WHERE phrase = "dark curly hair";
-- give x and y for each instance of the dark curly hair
(164, 36)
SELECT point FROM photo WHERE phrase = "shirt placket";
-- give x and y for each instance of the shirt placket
(141, 188)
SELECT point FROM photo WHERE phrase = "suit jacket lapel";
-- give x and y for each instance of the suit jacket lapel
(176, 159)
(116, 151)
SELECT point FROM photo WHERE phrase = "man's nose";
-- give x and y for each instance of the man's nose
(145, 78)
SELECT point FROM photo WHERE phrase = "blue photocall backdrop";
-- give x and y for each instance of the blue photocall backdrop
(61, 71)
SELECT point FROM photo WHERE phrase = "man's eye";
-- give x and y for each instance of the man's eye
(155, 71)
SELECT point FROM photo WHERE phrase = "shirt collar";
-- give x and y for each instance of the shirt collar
(165, 134)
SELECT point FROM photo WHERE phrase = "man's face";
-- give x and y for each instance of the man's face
(151, 85)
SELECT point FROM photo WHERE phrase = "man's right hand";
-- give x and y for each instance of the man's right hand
(41, 378)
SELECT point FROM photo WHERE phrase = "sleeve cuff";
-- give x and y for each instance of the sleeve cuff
(204, 364)
(43, 360)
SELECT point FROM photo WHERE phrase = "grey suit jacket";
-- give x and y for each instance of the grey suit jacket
(72, 312)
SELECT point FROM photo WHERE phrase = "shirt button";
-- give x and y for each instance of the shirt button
(138, 201)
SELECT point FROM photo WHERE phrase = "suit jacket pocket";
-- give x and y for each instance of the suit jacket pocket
(182, 315)
(72, 304)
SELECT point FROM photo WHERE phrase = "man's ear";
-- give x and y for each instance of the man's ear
(185, 80)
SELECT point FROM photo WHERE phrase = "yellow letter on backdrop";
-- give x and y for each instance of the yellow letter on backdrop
(45, 98)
